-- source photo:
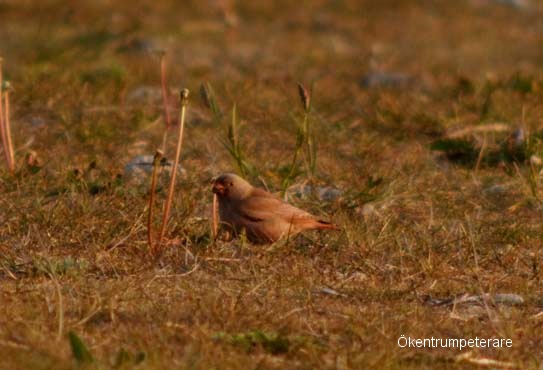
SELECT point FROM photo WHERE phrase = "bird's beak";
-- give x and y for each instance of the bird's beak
(218, 188)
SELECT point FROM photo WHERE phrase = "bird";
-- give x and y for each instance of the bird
(264, 217)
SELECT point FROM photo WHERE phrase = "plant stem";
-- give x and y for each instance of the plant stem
(9, 148)
(306, 151)
(184, 100)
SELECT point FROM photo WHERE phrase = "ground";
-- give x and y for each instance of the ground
(389, 82)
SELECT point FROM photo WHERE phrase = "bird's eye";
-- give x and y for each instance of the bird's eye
(231, 184)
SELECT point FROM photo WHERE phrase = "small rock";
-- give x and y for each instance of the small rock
(369, 212)
(328, 194)
(145, 94)
(514, 4)
(385, 80)
(140, 168)
(324, 193)
(519, 4)
(495, 189)
(37, 121)
(518, 136)
(138, 45)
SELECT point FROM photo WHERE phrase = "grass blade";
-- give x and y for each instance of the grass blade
(79, 350)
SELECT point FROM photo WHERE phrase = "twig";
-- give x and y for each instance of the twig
(184, 95)
(304, 142)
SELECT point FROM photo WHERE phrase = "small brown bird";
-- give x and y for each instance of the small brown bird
(264, 217)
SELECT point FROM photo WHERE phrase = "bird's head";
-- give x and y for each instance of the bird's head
(231, 186)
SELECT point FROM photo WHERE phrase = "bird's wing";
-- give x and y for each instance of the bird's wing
(261, 205)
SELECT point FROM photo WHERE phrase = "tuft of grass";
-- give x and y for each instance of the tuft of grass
(272, 343)
(209, 100)
(232, 143)
(66, 266)
(80, 352)
(126, 359)
(233, 146)
(305, 143)
(113, 74)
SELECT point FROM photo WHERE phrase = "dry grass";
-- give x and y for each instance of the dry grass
(73, 244)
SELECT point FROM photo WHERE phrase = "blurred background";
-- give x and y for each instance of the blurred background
(72, 62)
(95, 54)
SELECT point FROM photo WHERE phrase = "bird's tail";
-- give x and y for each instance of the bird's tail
(325, 225)
(312, 223)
